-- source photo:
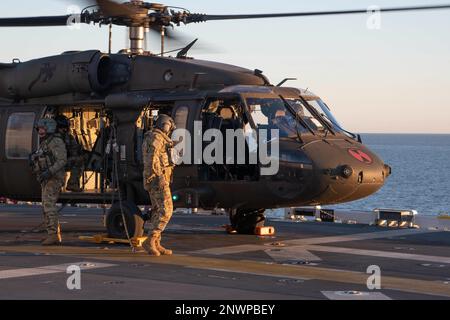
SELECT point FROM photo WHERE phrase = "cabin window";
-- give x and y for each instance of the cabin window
(181, 117)
(19, 133)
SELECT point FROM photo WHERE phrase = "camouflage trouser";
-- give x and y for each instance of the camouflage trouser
(50, 194)
(162, 207)
(75, 176)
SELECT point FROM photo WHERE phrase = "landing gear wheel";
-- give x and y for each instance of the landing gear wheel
(133, 218)
(245, 221)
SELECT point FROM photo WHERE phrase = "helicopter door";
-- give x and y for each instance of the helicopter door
(18, 139)
(227, 114)
(183, 113)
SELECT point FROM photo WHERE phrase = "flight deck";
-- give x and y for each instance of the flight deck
(303, 260)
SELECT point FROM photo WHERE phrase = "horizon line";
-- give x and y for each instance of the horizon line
(408, 133)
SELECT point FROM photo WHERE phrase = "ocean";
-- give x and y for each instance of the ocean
(420, 177)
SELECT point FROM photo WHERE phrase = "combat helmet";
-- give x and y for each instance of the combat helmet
(164, 120)
(48, 124)
(62, 121)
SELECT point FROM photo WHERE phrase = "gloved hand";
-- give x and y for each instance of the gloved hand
(44, 176)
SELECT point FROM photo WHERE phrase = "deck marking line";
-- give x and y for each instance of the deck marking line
(37, 271)
(312, 241)
(381, 254)
(343, 295)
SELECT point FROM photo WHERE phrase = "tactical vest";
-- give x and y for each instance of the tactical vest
(164, 162)
(43, 159)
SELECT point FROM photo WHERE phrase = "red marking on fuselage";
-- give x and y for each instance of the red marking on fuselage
(360, 156)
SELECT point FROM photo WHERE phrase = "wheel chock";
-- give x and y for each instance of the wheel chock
(265, 231)
(259, 231)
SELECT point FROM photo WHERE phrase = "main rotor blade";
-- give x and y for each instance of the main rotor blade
(49, 21)
(206, 17)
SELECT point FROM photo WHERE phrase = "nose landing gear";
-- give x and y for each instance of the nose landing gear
(245, 221)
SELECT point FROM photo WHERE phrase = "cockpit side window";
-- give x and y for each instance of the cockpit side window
(181, 117)
(272, 114)
(223, 114)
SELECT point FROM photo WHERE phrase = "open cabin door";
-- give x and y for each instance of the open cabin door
(227, 115)
(90, 128)
(18, 139)
(184, 113)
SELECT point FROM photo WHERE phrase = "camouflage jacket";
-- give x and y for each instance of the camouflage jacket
(51, 155)
(156, 152)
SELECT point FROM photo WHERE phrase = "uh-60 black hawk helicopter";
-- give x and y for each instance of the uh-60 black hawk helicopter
(112, 99)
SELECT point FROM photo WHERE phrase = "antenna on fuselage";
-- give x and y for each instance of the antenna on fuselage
(110, 39)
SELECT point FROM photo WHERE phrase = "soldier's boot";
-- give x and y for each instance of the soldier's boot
(161, 249)
(47, 236)
(51, 240)
(150, 246)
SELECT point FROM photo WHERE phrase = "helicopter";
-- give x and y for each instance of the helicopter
(112, 100)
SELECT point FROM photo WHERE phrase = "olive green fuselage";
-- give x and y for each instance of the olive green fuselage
(118, 89)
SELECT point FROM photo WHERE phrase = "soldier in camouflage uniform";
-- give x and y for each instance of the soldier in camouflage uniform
(158, 168)
(75, 154)
(48, 163)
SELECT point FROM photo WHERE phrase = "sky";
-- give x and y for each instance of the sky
(392, 79)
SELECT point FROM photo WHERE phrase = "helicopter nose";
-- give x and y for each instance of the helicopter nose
(345, 171)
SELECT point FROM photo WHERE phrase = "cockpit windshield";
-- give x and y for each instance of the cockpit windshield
(295, 118)
(323, 110)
